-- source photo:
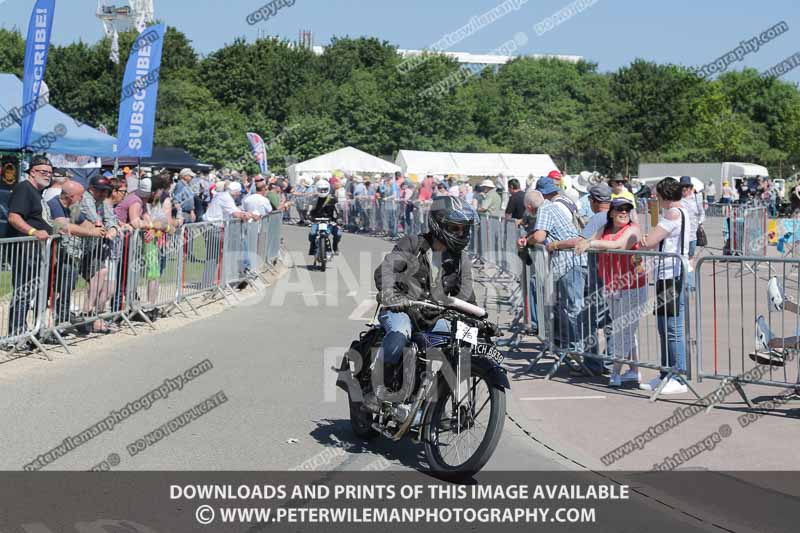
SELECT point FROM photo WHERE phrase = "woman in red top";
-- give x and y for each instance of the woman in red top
(625, 282)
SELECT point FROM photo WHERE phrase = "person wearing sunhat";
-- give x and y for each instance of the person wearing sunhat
(490, 203)
(581, 185)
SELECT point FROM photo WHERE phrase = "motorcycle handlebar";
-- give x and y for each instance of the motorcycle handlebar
(456, 304)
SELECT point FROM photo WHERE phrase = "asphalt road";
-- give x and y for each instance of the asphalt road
(271, 357)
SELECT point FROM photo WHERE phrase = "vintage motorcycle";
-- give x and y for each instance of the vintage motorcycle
(451, 395)
(323, 243)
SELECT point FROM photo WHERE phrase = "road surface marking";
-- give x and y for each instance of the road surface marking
(530, 398)
(367, 306)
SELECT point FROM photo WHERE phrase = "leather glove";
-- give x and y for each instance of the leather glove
(395, 302)
(429, 313)
(451, 283)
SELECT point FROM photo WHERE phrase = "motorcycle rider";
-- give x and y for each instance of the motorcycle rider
(324, 208)
(429, 266)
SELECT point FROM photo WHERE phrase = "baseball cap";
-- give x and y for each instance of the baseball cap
(40, 160)
(235, 186)
(686, 181)
(546, 186)
(618, 202)
(600, 193)
(554, 175)
(101, 183)
(186, 172)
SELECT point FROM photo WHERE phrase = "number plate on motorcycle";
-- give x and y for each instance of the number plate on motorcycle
(323, 227)
(467, 334)
(490, 352)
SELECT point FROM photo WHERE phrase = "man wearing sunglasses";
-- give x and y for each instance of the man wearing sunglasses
(26, 219)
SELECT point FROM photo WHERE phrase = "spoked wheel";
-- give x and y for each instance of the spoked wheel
(460, 436)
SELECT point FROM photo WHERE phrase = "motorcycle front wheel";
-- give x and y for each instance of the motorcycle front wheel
(460, 437)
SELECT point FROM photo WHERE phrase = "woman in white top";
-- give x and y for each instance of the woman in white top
(671, 235)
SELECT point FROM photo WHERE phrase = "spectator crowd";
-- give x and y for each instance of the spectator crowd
(93, 221)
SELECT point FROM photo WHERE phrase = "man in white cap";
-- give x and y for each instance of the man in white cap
(490, 203)
(223, 205)
(183, 197)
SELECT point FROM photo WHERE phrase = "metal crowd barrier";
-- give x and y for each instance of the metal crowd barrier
(23, 291)
(748, 327)
(272, 227)
(85, 276)
(48, 288)
(736, 229)
(202, 261)
(620, 320)
(385, 217)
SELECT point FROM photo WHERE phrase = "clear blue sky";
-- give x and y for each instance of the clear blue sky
(610, 32)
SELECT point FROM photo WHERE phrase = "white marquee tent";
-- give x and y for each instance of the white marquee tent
(466, 164)
(349, 160)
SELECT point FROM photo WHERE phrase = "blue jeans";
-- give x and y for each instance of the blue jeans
(391, 219)
(532, 303)
(397, 330)
(569, 313)
(673, 342)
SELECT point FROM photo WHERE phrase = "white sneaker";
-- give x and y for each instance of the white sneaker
(763, 334)
(674, 387)
(614, 380)
(632, 375)
(651, 385)
(775, 295)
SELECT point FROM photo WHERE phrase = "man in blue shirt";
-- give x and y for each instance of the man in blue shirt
(183, 195)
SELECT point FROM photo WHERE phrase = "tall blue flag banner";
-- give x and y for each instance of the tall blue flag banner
(137, 106)
(259, 151)
(36, 47)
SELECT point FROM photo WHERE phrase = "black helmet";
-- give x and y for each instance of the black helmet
(451, 222)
